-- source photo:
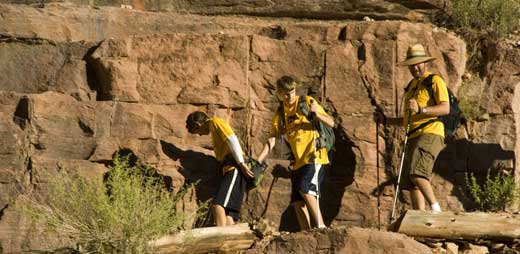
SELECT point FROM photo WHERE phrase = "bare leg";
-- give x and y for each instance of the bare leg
(417, 199)
(312, 206)
(302, 215)
(220, 215)
(426, 189)
(229, 221)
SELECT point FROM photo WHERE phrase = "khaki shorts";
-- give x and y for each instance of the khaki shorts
(419, 158)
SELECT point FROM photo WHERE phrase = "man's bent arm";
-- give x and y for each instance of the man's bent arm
(394, 121)
(440, 109)
(327, 120)
(235, 148)
(268, 146)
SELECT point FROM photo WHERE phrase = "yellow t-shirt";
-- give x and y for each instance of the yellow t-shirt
(418, 91)
(299, 133)
(220, 132)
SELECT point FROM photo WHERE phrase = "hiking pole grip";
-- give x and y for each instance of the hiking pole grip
(396, 194)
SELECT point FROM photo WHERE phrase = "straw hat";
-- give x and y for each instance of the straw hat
(415, 55)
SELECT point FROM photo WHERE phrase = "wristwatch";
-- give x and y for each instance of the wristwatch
(423, 111)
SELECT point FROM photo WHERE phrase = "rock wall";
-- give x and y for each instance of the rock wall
(80, 83)
(341, 240)
(415, 10)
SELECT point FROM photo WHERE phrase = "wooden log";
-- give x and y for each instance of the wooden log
(201, 240)
(468, 226)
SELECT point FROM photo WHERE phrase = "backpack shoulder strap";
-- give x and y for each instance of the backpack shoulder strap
(421, 126)
(428, 83)
(408, 86)
(303, 106)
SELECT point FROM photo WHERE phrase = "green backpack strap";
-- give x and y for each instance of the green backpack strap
(304, 107)
(327, 137)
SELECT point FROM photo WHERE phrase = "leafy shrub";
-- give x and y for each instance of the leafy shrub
(495, 194)
(470, 103)
(497, 17)
(120, 215)
(481, 23)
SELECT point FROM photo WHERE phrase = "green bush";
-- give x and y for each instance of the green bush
(495, 194)
(481, 23)
(120, 215)
(470, 102)
(497, 17)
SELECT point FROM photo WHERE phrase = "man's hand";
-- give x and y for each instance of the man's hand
(315, 116)
(313, 107)
(379, 117)
(245, 169)
(413, 106)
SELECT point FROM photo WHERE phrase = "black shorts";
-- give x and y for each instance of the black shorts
(306, 180)
(230, 193)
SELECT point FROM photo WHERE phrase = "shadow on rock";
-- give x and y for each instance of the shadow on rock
(146, 170)
(338, 176)
(199, 169)
(462, 157)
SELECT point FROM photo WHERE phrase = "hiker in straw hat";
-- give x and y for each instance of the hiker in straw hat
(425, 132)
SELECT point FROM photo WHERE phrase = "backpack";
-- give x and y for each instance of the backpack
(255, 166)
(326, 138)
(450, 121)
(258, 170)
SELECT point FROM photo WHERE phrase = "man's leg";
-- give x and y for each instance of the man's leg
(427, 148)
(417, 199)
(229, 197)
(309, 191)
(220, 215)
(427, 191)
(229, 221)
(302, 215)
(312, 206)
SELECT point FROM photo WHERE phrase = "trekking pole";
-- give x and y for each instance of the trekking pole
(377, 188)
(400, 168)
(269, 196)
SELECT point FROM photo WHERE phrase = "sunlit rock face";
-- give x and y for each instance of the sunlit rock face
(79, 84)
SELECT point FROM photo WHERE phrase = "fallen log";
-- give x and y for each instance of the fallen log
(202, 240)
(467, 226)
